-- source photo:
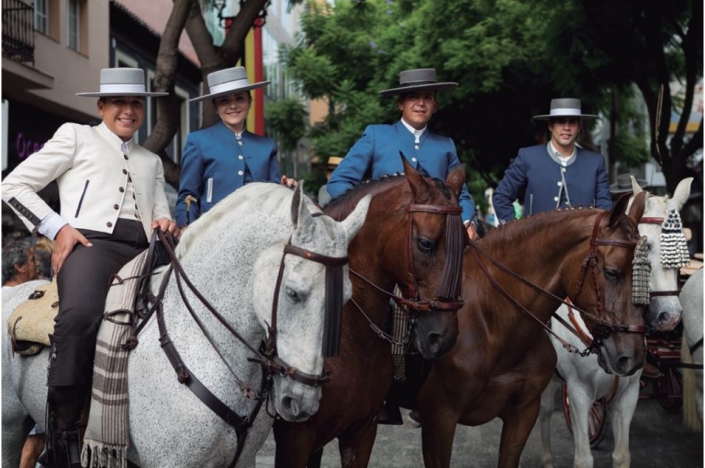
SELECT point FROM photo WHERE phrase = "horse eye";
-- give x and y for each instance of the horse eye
(425, 245)
(292, 295)
(611, 274)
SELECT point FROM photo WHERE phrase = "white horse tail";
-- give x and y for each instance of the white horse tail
(691, 417)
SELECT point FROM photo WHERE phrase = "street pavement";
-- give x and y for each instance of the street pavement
(658, 439)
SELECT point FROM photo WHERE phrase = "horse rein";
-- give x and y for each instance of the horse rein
(590, 260)
(267, 356)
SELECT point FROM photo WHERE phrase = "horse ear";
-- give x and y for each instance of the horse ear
(355, 220)
(680, 196)
(619, 208)
(456, 179)
(416, 181)
(636, 188)
(300, 216)
(638, 206)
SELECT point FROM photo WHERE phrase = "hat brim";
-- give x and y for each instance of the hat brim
(580, 116)
(420, 87)
(616, 188)
(240, 89)
(146, 94)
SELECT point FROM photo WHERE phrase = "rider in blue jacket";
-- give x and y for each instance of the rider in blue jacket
(377, 152)
(558, 174)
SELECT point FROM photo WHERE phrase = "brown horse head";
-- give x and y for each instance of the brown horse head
(430, 276)
(604, 289)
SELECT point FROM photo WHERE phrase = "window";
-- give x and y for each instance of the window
(74, 26)
(41, 16)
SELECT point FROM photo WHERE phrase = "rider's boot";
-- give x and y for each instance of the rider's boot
(62, 447)
(64, 406)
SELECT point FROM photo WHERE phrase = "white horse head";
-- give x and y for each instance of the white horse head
(664, 311)
(299, 330)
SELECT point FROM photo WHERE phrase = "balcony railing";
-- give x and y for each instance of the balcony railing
(18, 30)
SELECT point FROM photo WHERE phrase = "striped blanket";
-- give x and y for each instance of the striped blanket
(108, 432)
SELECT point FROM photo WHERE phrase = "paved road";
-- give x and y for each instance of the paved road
(658, 439)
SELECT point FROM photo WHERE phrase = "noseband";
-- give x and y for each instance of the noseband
(603, 327)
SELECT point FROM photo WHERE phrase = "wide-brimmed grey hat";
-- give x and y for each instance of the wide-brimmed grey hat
(418, 79)
(565, 107)
(122, 82)
(624, 184)
(228, 81)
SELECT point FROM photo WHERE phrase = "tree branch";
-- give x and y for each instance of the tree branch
(164, 79)
(232, 47)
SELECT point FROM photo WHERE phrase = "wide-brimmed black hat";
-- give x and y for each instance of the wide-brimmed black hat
(624, 184)
(565, 107)
(418, 79)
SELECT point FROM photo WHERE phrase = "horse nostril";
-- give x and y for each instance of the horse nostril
(624, 365)
(435, 341)
(290, 405)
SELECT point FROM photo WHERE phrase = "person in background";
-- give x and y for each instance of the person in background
(112, 199)
(43, 250)
(558, 174)
(323, 195)
(220, 159)
(18, 267)
(377, 151)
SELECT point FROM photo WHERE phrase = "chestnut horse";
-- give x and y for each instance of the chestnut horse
(503, 359)
(362, 373)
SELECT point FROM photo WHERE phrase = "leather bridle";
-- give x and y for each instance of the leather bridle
(590, 262)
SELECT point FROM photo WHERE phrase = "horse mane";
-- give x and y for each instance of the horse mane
(525, 227)
(340, 207)
(268, 197)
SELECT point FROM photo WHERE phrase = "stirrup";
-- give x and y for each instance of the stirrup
(69, 446)
(389, 414)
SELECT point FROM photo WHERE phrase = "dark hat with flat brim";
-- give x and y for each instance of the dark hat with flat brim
(624, 184)
(122, 82)
(228, 81)
(419, 79)
(565, 107)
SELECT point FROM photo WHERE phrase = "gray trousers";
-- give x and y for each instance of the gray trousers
(83, 283)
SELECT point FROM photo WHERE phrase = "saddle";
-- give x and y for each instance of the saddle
(31, 323)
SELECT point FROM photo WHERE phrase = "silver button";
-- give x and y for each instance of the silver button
(563, 169)
(240, 158)
(413, 159)
(239, 142)
(555, 198)
(416, 146)
(560, 183)
(240, 173)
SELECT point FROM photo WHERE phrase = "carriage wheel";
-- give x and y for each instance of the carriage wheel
(597, 418)
(670, 388)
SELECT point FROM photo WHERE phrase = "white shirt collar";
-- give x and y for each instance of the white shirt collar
(124, 145)
(417, 133)
(563, 159)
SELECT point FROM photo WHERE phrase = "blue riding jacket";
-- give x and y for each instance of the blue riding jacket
(215, 164)
(550, 185)
(377, 151)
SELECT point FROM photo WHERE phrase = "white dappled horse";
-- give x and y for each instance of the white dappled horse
(232, 255)
(585, 380)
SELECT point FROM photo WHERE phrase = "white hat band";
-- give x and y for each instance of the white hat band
(122, 88)
(565, 111)
(227, 86)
